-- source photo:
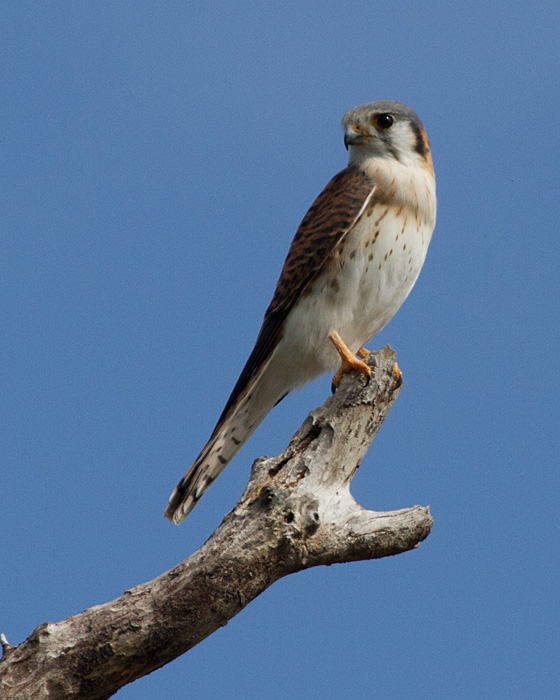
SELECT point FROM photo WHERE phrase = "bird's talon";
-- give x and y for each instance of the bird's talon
(398, 375)
(336, 380)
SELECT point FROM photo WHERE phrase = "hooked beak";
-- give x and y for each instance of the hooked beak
(352, 136)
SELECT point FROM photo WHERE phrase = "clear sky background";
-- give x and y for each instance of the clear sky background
(156, 159)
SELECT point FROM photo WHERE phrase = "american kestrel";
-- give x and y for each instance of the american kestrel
(354, 259)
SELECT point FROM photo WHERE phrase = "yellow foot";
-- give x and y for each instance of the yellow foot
(398, 376)
(349, 362)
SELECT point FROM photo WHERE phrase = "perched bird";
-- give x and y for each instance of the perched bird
(354, 259)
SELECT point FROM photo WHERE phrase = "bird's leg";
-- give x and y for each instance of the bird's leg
(349, 362)
(363, 353)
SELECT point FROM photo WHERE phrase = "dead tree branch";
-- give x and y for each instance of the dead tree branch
(296, 512)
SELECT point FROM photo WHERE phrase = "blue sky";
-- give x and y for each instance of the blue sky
(156, 161)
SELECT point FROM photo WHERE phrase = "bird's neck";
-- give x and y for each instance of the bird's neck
(411, 185)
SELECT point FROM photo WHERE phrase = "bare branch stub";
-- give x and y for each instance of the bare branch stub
(296, 512)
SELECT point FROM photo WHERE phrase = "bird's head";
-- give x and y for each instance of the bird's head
(389, 130)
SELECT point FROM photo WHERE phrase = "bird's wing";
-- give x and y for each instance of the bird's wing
(329, 219)
(333, 214)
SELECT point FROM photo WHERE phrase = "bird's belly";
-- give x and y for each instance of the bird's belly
(355, 297)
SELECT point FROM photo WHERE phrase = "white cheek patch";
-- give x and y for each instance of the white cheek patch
(403, 141)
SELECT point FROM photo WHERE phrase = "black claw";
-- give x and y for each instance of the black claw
(333, 388)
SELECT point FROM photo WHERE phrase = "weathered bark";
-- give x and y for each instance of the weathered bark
(296, 512)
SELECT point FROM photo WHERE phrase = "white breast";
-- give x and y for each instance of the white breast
(379, 262)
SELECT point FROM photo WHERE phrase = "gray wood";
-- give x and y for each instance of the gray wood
(296, 512)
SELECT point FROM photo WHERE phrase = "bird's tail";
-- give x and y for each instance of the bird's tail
(229, 436)
(209, 464)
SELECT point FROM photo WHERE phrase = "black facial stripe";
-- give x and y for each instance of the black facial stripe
(392, 151)
(420, 145)
(386, 138)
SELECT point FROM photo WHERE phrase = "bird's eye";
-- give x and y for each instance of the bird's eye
(383, 121)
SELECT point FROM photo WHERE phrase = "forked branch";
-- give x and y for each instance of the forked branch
(296, 512)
